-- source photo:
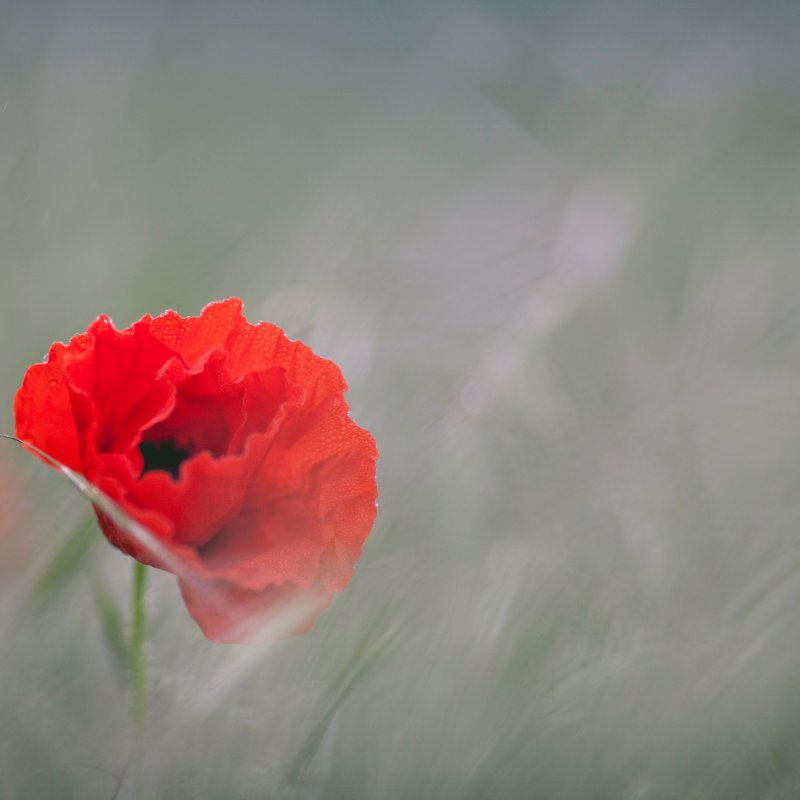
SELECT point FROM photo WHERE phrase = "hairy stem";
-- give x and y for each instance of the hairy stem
(138, 681)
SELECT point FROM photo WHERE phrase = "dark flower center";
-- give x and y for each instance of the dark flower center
(165, 455)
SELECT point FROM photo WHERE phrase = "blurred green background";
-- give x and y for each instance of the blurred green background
(554, 247)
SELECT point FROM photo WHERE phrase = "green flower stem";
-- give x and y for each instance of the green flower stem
(138, 680)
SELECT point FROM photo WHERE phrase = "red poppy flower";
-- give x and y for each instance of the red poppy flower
(229, 442)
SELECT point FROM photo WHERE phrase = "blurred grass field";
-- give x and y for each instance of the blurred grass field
(554, 248)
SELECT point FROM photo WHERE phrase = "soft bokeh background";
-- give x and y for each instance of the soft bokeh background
(554, 247)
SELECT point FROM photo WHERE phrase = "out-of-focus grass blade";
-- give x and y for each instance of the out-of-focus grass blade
(105, 504)
(355, 670)
(69, 558)
(157, 549)
(65, 564)
(110, 622)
